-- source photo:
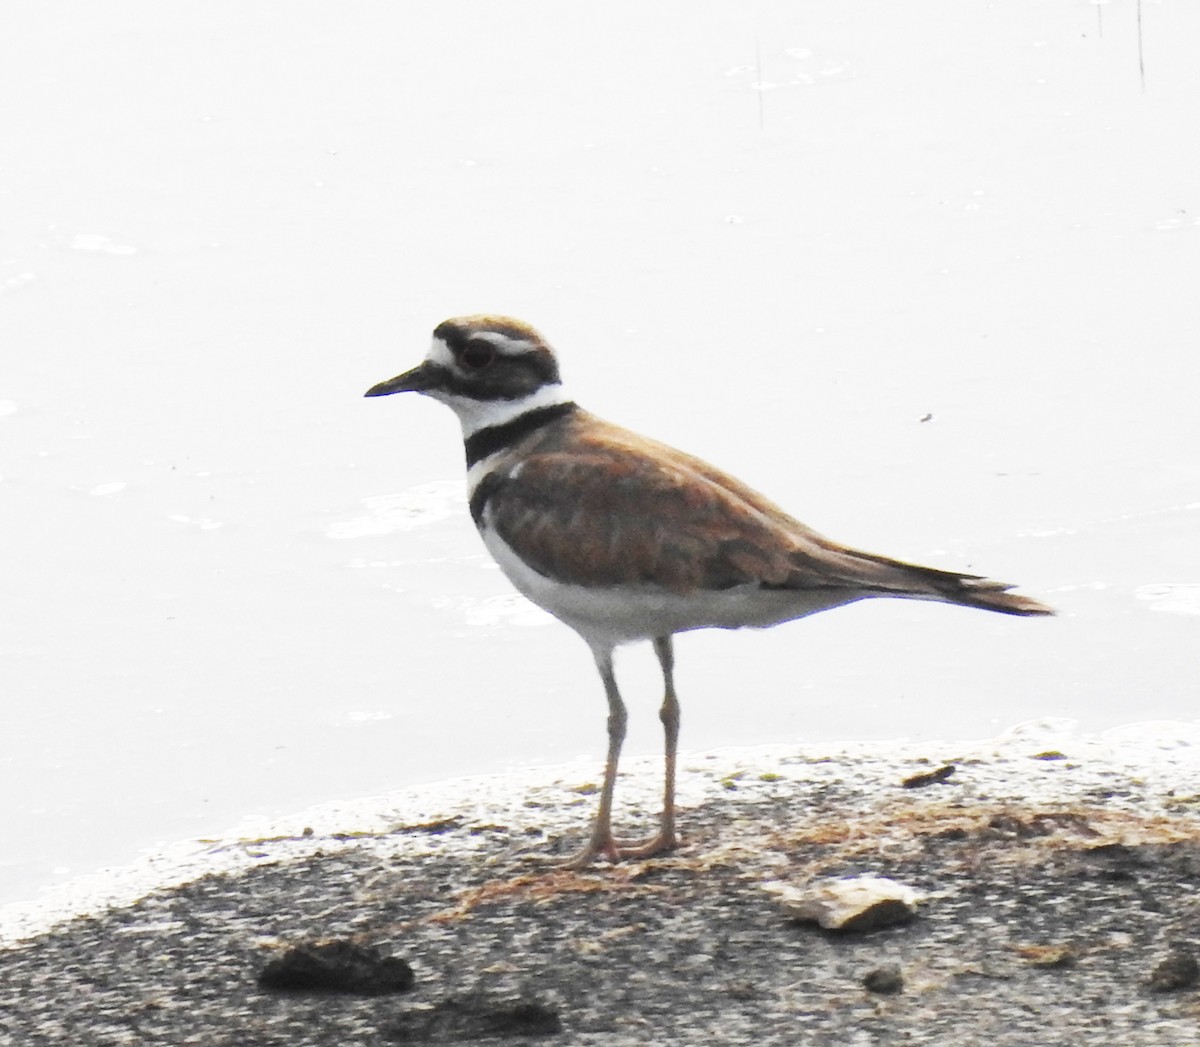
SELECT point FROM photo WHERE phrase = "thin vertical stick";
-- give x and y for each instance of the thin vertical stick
(1141, 56)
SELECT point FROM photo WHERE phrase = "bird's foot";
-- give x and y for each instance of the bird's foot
(608, 846)
(597, 847)
(648, 846)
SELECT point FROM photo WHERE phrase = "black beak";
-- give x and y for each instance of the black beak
(418, 380)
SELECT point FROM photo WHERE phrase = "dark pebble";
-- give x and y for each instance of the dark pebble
(886, 979)
(466, 1020)
(1178, 970)
(919, 781)
(1115, 862)
(336, 966)
(1009, 826)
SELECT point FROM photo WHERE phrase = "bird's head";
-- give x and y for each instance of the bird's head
(487, 369)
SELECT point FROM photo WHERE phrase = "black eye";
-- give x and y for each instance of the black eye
(477, 355)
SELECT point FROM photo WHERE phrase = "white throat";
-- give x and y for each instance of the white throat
(474, 415)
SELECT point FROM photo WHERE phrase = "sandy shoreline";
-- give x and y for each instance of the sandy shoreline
(1057, 873)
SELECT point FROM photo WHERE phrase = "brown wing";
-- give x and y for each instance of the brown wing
(596, 504)
(609, 507)
(611, 519)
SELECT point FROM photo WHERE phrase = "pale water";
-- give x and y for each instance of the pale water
(926, 274)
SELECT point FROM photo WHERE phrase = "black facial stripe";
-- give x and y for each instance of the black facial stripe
(497, 437)
(506, 378)
(468, 388)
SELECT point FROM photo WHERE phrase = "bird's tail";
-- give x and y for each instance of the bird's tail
(969, 590)
(974, 591)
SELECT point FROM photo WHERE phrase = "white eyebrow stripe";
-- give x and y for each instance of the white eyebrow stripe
(503, 343)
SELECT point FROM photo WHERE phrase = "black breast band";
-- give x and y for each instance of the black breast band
(479, 445)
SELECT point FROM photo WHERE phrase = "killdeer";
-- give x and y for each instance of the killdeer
(626, 539)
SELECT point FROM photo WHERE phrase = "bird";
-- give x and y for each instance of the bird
(626, 539)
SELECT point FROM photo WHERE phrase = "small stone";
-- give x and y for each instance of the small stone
(855, 903)
(434, 828)
(919, 781)
(1115, 862)
(1177, 970)
(469, 1019)
(1005, 825)
(336, 966)
(1048, 955)
(886, 979)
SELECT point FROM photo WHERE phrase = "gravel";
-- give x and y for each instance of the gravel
(1059, 904)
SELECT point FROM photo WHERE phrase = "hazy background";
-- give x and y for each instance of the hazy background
(925, 273)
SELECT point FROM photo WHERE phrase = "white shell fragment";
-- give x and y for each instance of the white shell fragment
(856, 903)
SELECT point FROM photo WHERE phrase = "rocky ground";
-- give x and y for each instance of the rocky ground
(1059, 904)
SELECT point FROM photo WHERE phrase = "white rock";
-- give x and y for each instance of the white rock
(855, 903)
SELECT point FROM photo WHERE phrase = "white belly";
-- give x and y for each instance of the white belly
(624, 614)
